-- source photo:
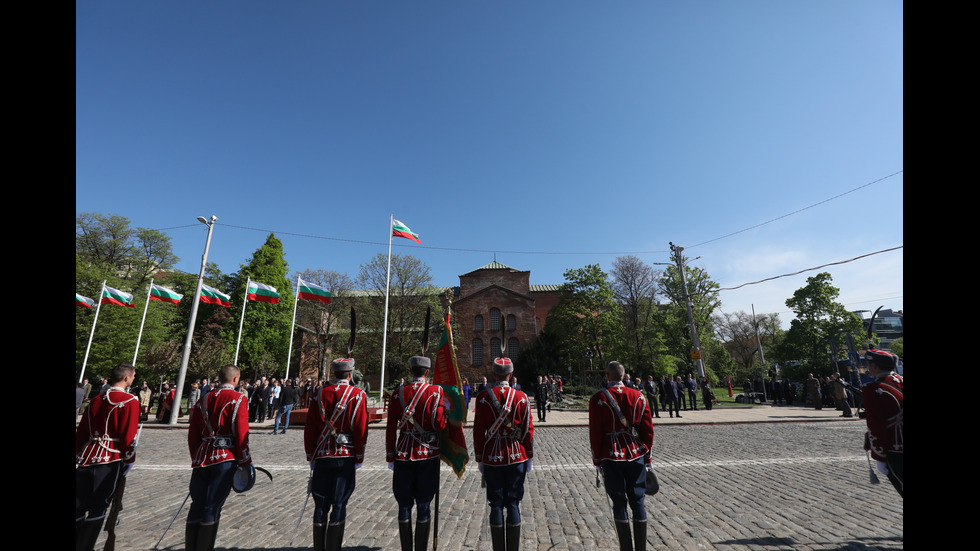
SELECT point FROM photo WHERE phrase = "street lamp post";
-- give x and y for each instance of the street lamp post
(186, 356)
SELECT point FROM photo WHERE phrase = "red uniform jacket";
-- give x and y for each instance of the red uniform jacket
(609, 438)
(219, 433)
(883, 403)
(505, 436)
(415, 436)
(108, 429)
(336, 424)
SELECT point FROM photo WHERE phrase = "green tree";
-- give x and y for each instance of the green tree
(898, 347)
(737, 332)
(634, 285)
(819, 319)
(675, 321)
(587, 316)
(265, 331)
(111, 244)
(411, 292)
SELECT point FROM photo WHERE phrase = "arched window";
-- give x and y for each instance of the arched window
(511, 322)
(494, 319)
(477, 352)
(513, 347)
(478, 323)
(495, 351)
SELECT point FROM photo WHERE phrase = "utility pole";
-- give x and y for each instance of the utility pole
(696, 352)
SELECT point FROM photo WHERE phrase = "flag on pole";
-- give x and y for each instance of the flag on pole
(115, 296)
(83, 301)
(163, 294)
(399, 229)
(309, 291)
(260, 292)
(452, 442)
(210, 295)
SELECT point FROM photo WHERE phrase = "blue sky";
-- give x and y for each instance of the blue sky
(765, 137)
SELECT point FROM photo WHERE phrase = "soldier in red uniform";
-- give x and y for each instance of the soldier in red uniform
(883, 402)
(503, 441)
(335, 435)
(416, 416)
(105, 450)
(621, 437)
(218, 444)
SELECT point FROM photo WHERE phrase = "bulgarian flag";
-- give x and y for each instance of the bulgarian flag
(261, 292)
(310, 291)
(115, 296)
(401, 230)
(163, 294)
(452, 442)
(83, 301)
(210, 295)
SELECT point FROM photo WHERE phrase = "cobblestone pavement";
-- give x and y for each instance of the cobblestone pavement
(759, 486)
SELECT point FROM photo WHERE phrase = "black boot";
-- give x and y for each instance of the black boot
(191, 531)
(623, 532)
(421, 535)
(86, 534)
(319, 537)
(205, 537)
(639, 535)
(405, 534)
(335, 537)
(497, 537)
(513, 537)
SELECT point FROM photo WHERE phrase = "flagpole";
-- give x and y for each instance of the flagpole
(384, 338)
(139, 336)
(292, 327)
(238, 342)
(189, 339)
(92, 333)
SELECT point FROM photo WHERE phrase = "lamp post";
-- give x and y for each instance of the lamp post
(186, 356)
(696, 352)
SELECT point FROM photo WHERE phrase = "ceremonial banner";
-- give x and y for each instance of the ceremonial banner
(399, 229)
(310, 291)
(210, 295)
(446, 374)
(259, 292)
(83, 301)
(115, 296)
(164, 294)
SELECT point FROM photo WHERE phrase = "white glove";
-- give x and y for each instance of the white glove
(530, 463)
(882, 467)
(127, 468)
(312, 463)
(391, 465)
(357, 465)
(479, 467)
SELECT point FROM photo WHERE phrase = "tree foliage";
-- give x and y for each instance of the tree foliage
(587, 316)
(634, 284)
(738, 333)
(819, 319)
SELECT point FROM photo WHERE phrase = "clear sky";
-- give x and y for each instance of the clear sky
(764, 136)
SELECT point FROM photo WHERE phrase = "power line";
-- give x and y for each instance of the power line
(811, 269)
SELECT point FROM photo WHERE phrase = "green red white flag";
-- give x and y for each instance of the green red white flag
(83, 301)
(399, 229)
(210, 295)
(310, 291)
(260, 292)
(115, 296)
(163, 294)
(452, 441)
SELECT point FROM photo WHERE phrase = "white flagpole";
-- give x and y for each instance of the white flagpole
(384, 339)
(139, 336)
(248, 283)
(92, 333)
(292, 327)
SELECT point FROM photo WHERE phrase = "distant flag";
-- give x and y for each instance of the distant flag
(83, 301)
(261, 292)
(309, 291)
(115, 296)
(399, 229)
(163, 294)
(452, 442)
(210, 295)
